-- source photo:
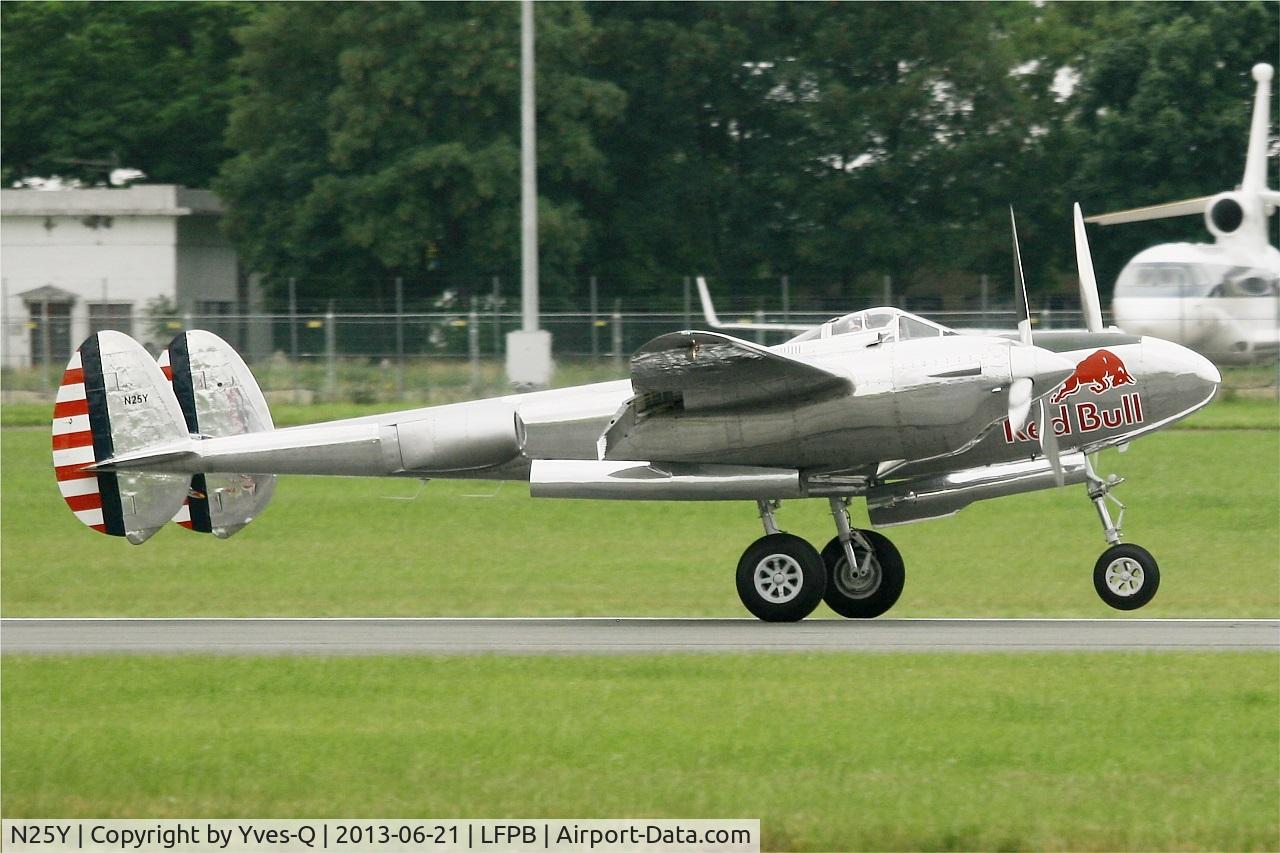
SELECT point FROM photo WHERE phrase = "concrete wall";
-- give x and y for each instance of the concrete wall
(110, 245)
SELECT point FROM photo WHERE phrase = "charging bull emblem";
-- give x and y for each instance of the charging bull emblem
(1101, 371)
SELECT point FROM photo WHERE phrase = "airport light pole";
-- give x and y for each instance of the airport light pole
(528, 350)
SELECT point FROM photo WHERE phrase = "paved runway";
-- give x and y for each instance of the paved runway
(624, 636)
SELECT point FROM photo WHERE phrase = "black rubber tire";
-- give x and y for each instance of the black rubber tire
(870, 603)
(1148, 584)
(806, 571)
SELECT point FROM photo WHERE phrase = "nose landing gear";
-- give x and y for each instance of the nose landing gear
(1126, 576)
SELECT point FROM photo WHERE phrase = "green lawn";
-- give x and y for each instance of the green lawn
(1081, 752)
(1235, 413)
(1205, 502)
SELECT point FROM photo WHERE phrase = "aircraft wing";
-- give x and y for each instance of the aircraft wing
(1186, 207)
(708, 370)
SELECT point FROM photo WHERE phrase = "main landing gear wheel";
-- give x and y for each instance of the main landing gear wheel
(1126, 576)
(870, 588)
(781, 578)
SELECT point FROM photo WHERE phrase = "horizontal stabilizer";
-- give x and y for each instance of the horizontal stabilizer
(708, 370)
(1186, 207)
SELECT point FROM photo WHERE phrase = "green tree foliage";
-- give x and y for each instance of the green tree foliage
(832, 142)
(1163, 112)
(377, 140)
(140, 85)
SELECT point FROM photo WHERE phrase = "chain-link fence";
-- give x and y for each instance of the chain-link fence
(428, 357)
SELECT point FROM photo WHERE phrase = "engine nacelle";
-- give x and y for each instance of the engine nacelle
(462, 438)
(1227, 214)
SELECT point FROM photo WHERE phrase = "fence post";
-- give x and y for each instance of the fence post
(595, 310)
(888, 291)
(983, 301)
(688, 319)
(786, 299)
(293, 321)
(760, 322)
(46, 347)
(7, 324)
(617, 333)
(497, 317)
(330, 353)
(399, 338)
(473, 344)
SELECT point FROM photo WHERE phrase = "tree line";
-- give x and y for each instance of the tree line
(834, 143)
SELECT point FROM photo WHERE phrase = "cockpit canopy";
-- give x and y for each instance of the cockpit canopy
(879, 325)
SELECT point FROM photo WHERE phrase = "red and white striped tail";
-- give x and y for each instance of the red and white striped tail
(115, 400)
(73, 448)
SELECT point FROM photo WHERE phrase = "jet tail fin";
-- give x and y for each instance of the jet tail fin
(1255, 163)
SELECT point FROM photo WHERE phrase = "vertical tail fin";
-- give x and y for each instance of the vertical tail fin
(114, 399)
(1255, 164)
(218, 397)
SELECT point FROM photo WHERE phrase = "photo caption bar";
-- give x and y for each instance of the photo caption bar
(254, 835)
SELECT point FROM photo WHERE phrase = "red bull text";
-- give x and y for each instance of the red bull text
(1082, 418)
(1098, 373)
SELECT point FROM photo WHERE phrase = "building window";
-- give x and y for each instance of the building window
(50, 326)
(117, 316)
(211, 308)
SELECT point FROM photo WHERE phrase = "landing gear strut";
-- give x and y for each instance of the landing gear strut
(1125, 576)
(781, 578)
(864, 570)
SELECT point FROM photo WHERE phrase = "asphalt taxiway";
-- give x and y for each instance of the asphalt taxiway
(360, 636)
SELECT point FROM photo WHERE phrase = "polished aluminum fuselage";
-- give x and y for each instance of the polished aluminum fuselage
(917, 407)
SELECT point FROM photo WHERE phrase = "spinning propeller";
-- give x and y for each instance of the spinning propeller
(1033, 368)
(1027, 364)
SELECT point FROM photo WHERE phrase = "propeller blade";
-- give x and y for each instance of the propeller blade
(1019, 402)
(1020, 286)
(1049, 442)
(1089, 302)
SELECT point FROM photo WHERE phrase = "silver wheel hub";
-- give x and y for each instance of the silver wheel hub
(778, 578)
(860, 581)
(1124, 576)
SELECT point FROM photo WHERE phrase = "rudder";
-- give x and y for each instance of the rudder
(218, 397)
(113, 399)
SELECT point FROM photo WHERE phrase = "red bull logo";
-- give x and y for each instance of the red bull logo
(1101, 371)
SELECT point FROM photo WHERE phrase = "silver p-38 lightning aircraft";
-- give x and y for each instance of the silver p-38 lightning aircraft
(880, 404)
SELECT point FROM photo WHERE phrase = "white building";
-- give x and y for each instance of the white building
(77, 261)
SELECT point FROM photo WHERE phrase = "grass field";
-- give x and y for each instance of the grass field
(1238, 413)
(835, 752)
(1207, 503)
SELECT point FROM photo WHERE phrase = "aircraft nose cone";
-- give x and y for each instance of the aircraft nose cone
(1169, 357)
